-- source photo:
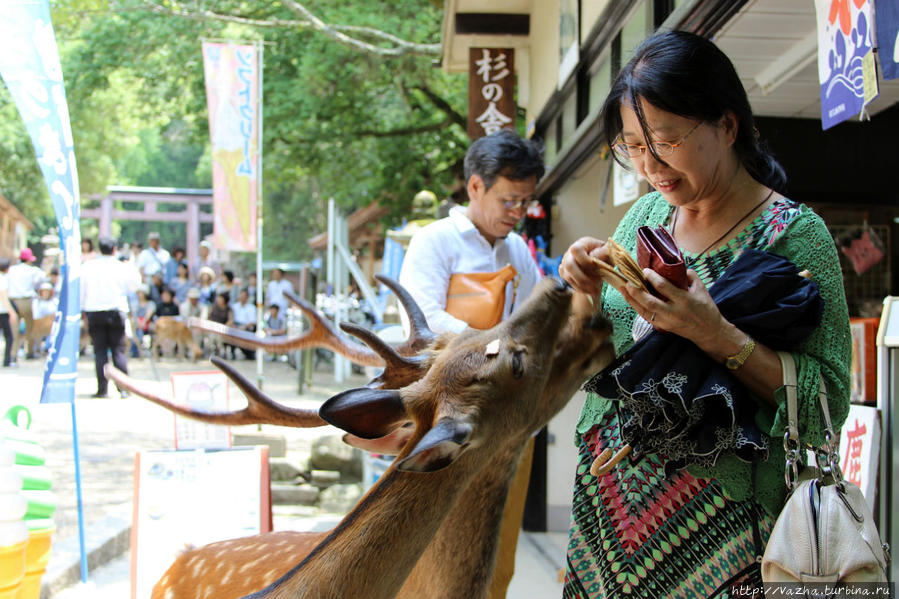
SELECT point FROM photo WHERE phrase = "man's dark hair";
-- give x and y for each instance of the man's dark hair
(54, 270)
(229, 275)
(506, 154)
(275, 306)
(177, 249)
(4, 264)
(106, 245)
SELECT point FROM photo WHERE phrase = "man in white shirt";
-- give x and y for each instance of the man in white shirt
(152, 259)
(106, 284)
(274, 292)
(245, 317)
(22, 280)
(501, 173)
(8, 318)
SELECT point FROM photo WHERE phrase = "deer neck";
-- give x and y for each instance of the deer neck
(375, 547)
(460, 560)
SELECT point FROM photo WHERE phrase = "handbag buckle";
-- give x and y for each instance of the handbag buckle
(791, 468)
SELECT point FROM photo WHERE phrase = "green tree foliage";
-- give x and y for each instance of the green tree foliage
(355, 106)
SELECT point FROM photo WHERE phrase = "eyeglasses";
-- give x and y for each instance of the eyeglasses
(517, 204)
(662, 148)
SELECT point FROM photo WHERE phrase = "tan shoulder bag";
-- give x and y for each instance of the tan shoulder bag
(478, 298)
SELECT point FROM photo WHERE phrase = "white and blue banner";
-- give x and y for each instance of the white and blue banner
(30, 67)
(845, 37)
(886, 16)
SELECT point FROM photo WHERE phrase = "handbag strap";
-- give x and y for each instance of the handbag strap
(828, 454)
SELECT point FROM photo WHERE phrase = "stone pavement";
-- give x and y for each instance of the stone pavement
(111, 431)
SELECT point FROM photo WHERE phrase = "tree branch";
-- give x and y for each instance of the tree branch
(399, 46)
(443, 105)
(405, 130)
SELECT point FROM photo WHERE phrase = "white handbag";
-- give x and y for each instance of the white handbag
(825, 532)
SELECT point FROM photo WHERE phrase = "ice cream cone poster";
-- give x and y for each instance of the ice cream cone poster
(232, 97)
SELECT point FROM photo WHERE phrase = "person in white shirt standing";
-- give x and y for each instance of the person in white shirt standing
(245, 317)
(152, 259)
(106, 284)
(501, 173)
(23, 279)
(274, 291)
(8, 317)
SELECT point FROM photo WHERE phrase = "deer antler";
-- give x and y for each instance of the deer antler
(261, 409)
(323, 334)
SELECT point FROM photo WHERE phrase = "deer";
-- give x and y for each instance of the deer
(459, 408)
(172, 335)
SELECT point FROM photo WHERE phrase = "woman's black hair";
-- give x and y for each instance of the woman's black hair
(688, 75)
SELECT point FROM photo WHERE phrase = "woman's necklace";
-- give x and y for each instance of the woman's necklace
(726, 233)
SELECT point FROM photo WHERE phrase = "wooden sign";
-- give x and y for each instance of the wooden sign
(491, 90)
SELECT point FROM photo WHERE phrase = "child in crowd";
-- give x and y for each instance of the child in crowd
(45, 304)
(274, 324)
(167, 305)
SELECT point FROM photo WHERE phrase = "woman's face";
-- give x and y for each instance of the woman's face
(702, 166)
(182, 271)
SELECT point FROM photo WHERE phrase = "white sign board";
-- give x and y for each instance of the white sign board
(205, 392)
(860, 449)
(193, 498)
(626, 185)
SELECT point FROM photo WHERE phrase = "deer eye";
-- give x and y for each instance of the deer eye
(517, 365)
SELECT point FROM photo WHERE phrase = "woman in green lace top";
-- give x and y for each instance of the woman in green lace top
(679, 115)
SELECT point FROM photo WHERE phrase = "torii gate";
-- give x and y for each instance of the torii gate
(150, 197)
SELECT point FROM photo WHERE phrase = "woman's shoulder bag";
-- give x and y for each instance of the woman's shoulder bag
(825, 532)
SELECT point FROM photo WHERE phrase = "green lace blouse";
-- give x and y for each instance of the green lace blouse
(791, 230)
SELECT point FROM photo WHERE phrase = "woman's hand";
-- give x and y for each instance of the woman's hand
(690, 313)
(578, 267)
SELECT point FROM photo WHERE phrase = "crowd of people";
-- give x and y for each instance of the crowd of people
(167, 286)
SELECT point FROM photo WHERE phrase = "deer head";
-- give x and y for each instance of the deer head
(467, 405)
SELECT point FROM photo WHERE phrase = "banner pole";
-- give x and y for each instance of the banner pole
(77, 456)
(259, 204)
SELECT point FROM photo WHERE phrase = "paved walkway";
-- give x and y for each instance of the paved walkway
(111, 431)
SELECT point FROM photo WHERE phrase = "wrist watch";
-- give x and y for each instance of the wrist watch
(737, 360)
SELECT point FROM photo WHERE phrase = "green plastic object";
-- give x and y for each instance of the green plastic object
(41, 504)
(34, 478)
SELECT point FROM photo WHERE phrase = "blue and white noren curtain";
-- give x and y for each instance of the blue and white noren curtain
(30, 67)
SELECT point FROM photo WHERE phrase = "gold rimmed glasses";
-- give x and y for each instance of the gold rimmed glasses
(662, 148)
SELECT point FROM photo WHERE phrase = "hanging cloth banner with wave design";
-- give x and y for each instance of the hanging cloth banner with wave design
(232, 93)
(29, 65)
(845, 38)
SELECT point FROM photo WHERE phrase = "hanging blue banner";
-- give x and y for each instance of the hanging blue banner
(30, 67)
(845, 38)
(886, 18)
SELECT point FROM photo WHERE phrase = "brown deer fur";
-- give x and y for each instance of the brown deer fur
(428, 528)
(171, 332)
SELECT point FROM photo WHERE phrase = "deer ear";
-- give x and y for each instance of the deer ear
(365, 412)
(439, 447)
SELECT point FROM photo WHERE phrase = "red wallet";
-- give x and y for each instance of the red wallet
(657, 250)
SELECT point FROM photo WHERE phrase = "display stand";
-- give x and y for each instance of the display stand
(192, 498)
(887, 391)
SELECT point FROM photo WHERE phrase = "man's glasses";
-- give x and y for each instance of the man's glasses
(517, 205)
(662, 148)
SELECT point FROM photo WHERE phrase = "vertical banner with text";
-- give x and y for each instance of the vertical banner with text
(491, 90)
(232, 96)
(30, 67)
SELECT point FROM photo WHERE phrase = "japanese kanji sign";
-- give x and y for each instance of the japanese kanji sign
(860, 449)
(491, 90)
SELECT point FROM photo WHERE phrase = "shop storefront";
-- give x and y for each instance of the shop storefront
(566, 55)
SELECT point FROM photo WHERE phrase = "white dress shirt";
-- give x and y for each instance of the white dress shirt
(244, 313)
(4, 286)
(151, 261)
(454, 245)
(106, 283)
(22, 278)
(274, 294)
